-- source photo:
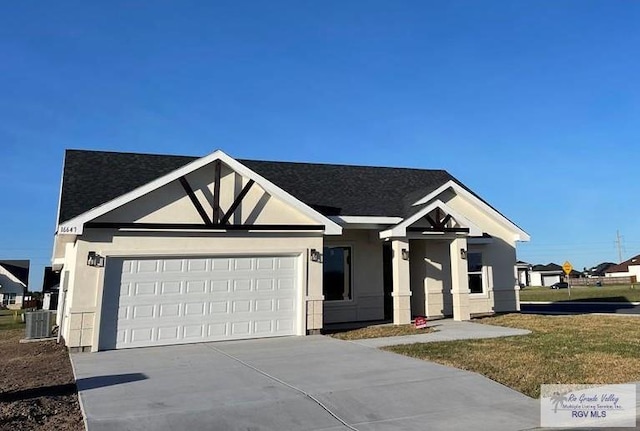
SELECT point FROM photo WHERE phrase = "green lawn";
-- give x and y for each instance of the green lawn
(9, 321)
(560, 349)
(593, 294)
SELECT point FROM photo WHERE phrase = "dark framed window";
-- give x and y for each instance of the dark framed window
(474, 269)
(336, 281)
(9, 298)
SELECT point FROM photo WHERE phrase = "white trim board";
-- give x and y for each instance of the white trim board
(366, 220)
(520, 235)
(75, 226)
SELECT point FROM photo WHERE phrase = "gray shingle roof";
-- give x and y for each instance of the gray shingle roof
(548, 267)
(624, 266)
(92, 178)
(19, 269)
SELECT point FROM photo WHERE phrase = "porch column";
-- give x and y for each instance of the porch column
(459, 280)
(401, 283)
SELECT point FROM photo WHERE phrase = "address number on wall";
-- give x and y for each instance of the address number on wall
(69, 230)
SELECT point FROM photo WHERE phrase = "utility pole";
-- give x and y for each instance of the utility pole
(619, 246)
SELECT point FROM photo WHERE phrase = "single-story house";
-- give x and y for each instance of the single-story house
(628, 268)
(546, 275)
(14, 277)
(599, 270)
(156, 249)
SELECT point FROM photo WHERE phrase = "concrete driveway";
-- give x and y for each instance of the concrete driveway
(294, 383)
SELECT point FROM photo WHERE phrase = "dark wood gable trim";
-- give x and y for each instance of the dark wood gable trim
(192, 226)
(236, 203)
(438, 225)
(216, 193)
(194, 200)
(219, 221)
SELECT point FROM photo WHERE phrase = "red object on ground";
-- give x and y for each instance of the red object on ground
(420, 322)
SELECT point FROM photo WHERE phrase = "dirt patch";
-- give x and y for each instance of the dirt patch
(37, 388)
(378, 331)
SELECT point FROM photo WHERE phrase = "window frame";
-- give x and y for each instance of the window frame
(351, 273)
(7, 298)
(482, 273)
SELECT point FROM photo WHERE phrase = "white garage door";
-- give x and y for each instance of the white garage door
(185, 300)
(548, 280)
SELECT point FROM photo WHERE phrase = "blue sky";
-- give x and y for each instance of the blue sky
(534, 105)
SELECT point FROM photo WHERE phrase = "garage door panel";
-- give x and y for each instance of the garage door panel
(284, 263)
(221, 265)
(143, 311)
(173, 265)
(219, 286)
(262, 327)
(265, 263)
(242, 285)
(218, 307)
(194, 265)
(123, 313)
(243, 264)
(169, 310)
(170, 288)
(264, 305)
(141, 334)
(184, 300)
(196, 286)
(286, 284)
(284, 325)
(284, 305)
(140, 289)
(193, 331)
(240, 328)
(146, 266)
(168, 333)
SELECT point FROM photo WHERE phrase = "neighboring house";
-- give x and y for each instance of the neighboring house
(628, 268)
(546, 275)
(50, 288)
(576, 274)
(599, 270)
(14, 277)
(158, 250)
(524, 273)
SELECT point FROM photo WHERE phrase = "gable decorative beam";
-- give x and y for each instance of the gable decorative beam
(466, 225)
(216, 192)
(194, 200)
(439, 223)
(237, 201)
(216, 200)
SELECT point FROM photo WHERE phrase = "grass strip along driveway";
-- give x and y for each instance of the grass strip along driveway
(582, 294)
(560, 349)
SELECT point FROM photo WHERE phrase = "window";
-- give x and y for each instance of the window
(474, 268)
(8, 299)
(336, 284)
